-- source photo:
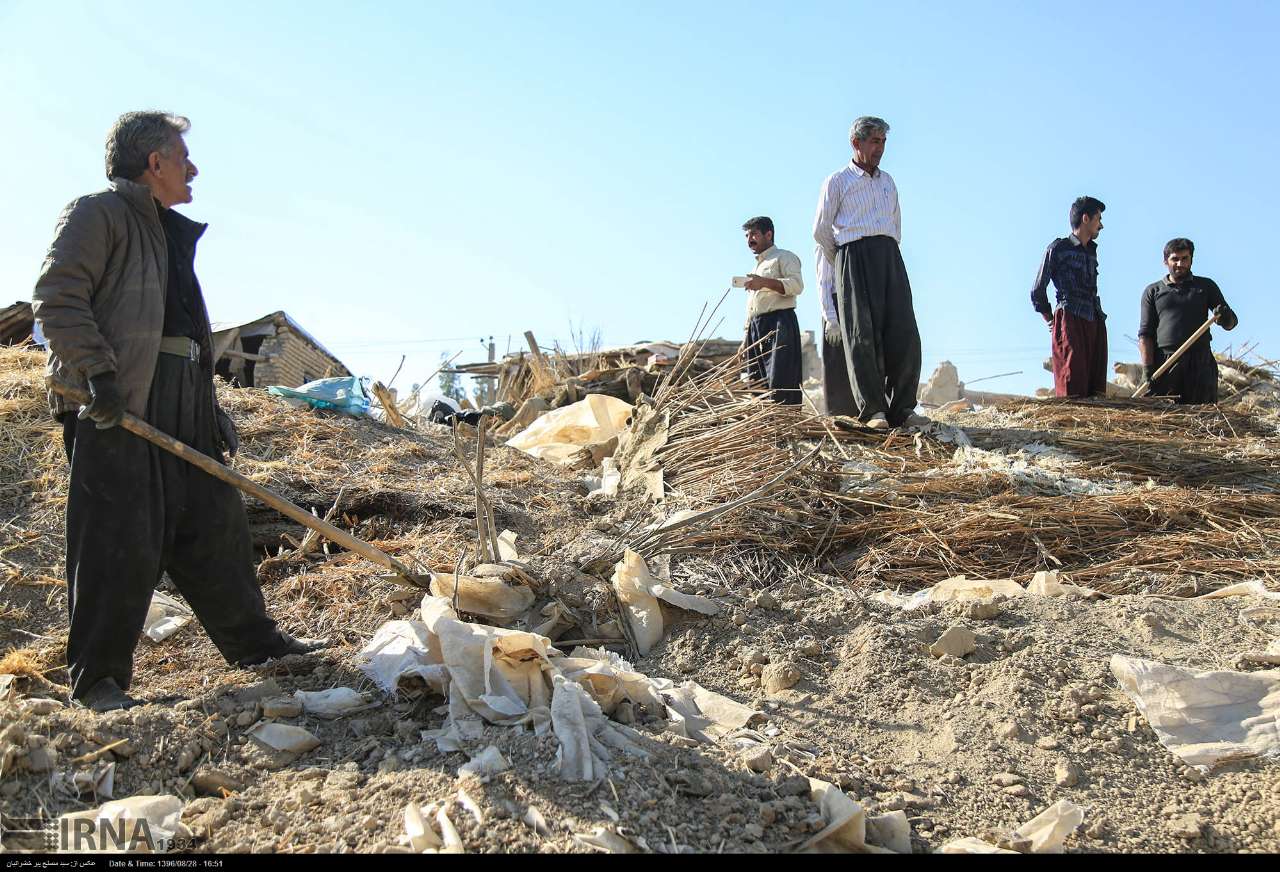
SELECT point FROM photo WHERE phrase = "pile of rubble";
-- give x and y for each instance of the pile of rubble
(743, 630)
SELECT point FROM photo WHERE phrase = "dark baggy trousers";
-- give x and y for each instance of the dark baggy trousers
(135, 511)
(835, 380)
(776, 360)
(1079, 355)
(881, 340)
(1193, 378)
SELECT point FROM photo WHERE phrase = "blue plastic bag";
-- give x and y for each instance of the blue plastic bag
(347, 395)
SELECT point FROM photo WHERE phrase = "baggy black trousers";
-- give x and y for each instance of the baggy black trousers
(881, 340)
(134, 512)
(835, 380)
(1193, 378)
(776, 361)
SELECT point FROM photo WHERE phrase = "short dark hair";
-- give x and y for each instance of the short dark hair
(1085, 206)
(1181, 243)
(135, 135)
(762, 223)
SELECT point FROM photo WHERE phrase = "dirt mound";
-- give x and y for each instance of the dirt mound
(969, 745)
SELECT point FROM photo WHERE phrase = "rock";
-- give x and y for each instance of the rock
(257, 692)
(245, 718)
(982, 610)
(1189, 826)
(809, 647)
(695, 784)
(779, 676)
(944, 386)
(13, 735)
(793, 785)
(1066, 774)
(1006, 779)
(281, 707)
(758, 758)
(956, 641)
(212, 782)
(39, 707)
(767, 601)
(1017, 790)
(42, 759)
(124, 750)
(186, 757)
(1047, 743)
(1008, 730)
(897, 802)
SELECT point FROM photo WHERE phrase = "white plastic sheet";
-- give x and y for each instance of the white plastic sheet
(284, 737)
(488, 762)
(1049, 583)
(491, 597)
(1049, 829)
(1205, 718)
(499, 674)
(701, 714)
(1046, 833)
(401, 650)
(332, 703)
(559, 434)
(1242, 588)
(955, 589)
(165, 616)
(638, 592)
(140, 824)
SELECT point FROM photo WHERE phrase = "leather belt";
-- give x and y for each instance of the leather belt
(180, 346)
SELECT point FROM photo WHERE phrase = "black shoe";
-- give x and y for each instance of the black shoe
(284, 646)
(106, 696)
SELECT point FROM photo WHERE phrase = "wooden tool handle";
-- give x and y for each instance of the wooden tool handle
(1145, 387)
(138, 427)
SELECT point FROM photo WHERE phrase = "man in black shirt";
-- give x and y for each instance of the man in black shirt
(1172, 309)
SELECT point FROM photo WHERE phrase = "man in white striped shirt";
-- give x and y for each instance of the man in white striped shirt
(866, 296)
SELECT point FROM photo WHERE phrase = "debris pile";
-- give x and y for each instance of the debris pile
(780, 633)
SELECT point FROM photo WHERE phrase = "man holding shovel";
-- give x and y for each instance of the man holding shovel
(120, 305)
(1172, 309)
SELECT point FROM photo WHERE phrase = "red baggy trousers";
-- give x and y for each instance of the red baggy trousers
(1079, 355)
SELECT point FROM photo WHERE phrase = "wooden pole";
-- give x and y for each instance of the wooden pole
(138, 427)
(1145, 387)
(394, 418)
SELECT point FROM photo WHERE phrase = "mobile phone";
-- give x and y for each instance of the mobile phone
(739, 281)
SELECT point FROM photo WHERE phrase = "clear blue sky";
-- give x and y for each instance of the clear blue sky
(408, 177)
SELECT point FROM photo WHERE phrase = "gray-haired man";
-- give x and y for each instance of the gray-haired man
(864, 285)
(119, 303)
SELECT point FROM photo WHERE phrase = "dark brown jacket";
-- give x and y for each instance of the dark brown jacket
(101, 293)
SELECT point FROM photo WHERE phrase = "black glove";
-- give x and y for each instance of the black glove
(831, 333)
(227, 430)
(106, 409)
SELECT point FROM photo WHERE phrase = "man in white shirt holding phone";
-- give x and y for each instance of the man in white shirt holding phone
(772, 288)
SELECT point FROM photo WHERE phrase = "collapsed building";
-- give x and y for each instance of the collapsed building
(272, 350)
